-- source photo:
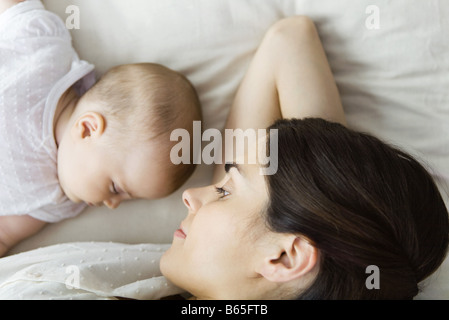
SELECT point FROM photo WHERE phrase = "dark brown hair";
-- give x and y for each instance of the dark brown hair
(360, 202)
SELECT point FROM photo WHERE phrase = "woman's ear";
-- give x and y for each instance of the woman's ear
(295, 257)
(89, 125)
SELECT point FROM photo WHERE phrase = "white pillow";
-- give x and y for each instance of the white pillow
(390, 60)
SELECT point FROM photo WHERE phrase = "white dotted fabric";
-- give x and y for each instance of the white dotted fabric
(86, 270)
(37, 65)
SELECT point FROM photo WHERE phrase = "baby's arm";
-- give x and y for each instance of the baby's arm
(289, 77)
(6, 4)
(16, 228)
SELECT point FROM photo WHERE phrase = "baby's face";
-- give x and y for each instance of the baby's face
(98, 173)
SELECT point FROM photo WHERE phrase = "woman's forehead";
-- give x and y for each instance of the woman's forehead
(261, 154)
(247, 176)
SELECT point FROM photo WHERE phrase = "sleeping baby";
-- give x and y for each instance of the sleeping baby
(67, 141)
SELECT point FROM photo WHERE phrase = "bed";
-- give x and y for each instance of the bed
(390, 60)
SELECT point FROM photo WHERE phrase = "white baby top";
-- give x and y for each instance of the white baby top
(37, 65)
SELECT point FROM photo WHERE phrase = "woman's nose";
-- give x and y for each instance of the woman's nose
(191, 198)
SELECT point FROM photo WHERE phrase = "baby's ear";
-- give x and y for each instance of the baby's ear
(295, 258)
(89, 125)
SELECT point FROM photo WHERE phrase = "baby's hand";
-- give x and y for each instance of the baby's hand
(16, 228)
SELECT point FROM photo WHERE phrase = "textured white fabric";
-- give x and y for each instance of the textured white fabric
(86, 271)
(37, 65)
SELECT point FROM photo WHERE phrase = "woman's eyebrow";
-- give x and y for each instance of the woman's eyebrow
(230, 165)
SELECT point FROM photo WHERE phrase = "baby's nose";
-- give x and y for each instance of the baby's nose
(111, 203)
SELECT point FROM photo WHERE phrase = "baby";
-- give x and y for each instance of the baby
(67, 142)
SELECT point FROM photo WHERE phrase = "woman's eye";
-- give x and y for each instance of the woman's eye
(222, 192)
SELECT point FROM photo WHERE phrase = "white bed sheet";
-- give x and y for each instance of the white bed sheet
(394, 82)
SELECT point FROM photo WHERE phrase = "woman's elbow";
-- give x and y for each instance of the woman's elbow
(294, 28)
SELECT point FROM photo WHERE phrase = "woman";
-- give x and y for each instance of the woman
(340, 205)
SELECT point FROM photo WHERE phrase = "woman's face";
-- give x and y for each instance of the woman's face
(217, 248)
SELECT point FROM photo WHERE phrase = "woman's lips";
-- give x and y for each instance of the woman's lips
(180, 234)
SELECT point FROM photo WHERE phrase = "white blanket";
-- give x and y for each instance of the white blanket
(91, 270)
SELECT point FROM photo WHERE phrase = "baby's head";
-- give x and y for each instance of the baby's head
(117, 143)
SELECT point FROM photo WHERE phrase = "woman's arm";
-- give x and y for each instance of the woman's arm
(6, 4)
(289, 77)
